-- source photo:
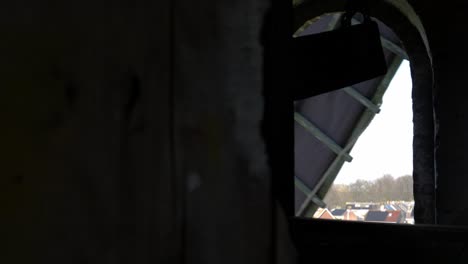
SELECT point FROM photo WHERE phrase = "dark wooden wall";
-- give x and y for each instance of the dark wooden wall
(130, 133)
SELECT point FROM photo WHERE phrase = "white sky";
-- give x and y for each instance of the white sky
(385, 147)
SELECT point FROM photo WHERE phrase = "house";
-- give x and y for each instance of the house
(360, 213)
(376, 216)
(410, 217)
(391, 216)
(363, 206)
(397, 217)
(345, 214)
(406, 209)
(323, 213)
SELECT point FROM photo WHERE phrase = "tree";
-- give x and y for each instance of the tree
(361, 191)
(337, 196)
(383, 189)
(405, 186)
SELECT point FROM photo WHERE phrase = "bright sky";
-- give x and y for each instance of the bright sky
(385, 147)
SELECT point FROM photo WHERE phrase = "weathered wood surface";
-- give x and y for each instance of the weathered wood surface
(131, 133)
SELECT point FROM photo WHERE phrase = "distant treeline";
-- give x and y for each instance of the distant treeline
(386, 188)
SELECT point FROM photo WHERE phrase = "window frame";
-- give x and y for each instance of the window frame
(424, 242)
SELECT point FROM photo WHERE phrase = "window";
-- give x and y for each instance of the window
(334, 133)
(341, 240)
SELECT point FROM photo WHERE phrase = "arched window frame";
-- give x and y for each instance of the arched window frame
(401, 18)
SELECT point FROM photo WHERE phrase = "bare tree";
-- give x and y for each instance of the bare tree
(386, 188)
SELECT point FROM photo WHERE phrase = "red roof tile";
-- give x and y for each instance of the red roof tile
(393, 216)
